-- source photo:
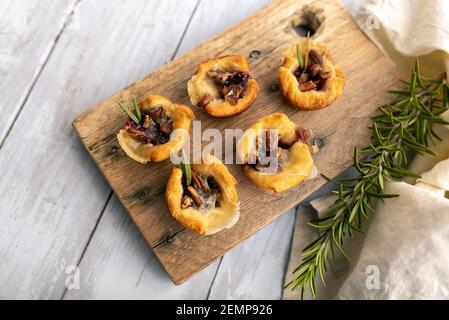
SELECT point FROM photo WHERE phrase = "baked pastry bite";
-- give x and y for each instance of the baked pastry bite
(283, 147)
(203, 197)
(223, 86)
(308, 77)
(147, 133)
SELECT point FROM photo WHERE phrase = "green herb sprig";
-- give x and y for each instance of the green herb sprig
(185, 167)
(302, 63)
(299, 56)
(400, 128)
(137, 118)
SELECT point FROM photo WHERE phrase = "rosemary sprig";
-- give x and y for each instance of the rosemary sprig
(299, 56)
(185, 167)
(307, 53)
(137, 118)
(302, 63)
(136, 107)
(401, 127)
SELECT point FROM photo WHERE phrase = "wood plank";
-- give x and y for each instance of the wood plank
(255, 269)
(117, 253)
(118, 264)
(28, 30)
(51, 192)
(343, 125)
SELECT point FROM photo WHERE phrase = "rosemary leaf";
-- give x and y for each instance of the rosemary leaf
(131, 115)
(136, 107)
(299, 56)
(401, 127)
(185, 167)
(307, 53)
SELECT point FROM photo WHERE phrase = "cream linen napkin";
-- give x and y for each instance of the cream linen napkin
(404, 252)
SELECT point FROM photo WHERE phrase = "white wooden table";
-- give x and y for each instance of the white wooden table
(58, 217)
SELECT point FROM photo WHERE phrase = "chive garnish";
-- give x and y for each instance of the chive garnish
(129, 113)
(307, 52)
(136, 107)
(299, 55)
(185, 167)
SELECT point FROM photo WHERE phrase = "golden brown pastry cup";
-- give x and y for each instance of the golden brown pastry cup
(201, 84)
(221, 217)
(312, 99)
(139, 151)
(299, 165)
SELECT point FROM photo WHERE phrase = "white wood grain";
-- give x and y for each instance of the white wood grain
(51, 192)
(255, 269)
(104, 280)
(213, 17)
(119, 264)
(28, 29)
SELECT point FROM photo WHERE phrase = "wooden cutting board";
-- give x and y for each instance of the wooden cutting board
(270, 31)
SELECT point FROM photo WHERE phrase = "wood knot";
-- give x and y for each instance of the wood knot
(141, 195)
(114, 150)
(310, 20)
(255, 54)
(274, 87)
(318, 142)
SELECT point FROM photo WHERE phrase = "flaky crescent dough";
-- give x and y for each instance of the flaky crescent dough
(219, 218)
(201, 84)
(299, 165)
(181, 116)
(312, 99)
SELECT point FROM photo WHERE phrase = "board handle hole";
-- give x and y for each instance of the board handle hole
(310, 20)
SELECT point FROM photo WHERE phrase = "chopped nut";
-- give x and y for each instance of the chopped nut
(195, 196)
(268, 142)
(325, 75)
(230, 85)
(314, 69)
(186, 202)
(138, 134)
(309, 85)
(204, 101)
(268, 139)
(303, 134)
(303, 78)
(231, 99)
(315, 149)
(166, 128)
(315, 57)
(218, 75)
(146, 122)
(157, 113)
(233, 94)
(199, 182)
